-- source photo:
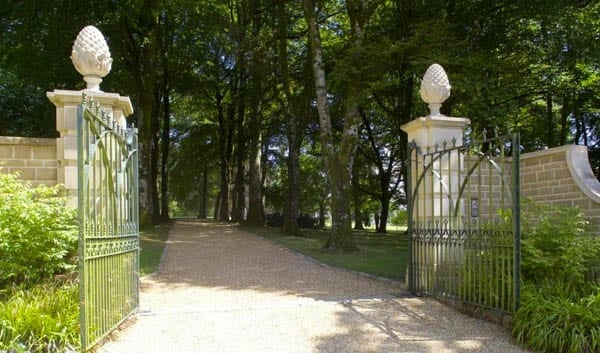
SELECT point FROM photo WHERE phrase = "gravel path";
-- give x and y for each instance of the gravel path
(224, 290)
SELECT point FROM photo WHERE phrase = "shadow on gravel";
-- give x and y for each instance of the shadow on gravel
(413, 325)
(375, 315)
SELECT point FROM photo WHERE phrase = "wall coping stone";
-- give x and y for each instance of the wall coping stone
(13, 140)
(579, 167)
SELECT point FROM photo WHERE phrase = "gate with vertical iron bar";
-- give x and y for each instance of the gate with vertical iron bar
(464, 222)
(108, 223)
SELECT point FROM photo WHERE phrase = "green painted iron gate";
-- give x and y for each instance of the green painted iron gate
(108, 223)
(464, 222)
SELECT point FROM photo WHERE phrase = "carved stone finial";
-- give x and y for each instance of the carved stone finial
(91, 57)
(435, 88)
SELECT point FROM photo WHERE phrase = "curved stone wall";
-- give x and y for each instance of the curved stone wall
(562, 176)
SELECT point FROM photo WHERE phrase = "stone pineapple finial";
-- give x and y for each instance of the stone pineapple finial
(435, 88)
(91, 57)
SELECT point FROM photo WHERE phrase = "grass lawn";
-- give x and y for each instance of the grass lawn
(152, 244)
(382, 255)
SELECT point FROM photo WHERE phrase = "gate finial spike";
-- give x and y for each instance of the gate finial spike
(453, 141)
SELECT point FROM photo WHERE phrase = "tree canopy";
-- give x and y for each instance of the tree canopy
(255, 107)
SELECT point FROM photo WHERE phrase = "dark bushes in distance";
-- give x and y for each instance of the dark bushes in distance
(304, 221)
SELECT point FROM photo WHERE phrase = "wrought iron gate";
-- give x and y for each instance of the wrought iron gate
(464, 222)
(108, 223)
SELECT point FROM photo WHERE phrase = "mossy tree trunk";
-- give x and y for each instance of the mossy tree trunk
(338, 159)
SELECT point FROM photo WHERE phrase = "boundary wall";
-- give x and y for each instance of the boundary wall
(33, 158)
(562, 176)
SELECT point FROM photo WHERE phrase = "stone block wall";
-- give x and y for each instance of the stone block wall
(34, 158)
(562, 176)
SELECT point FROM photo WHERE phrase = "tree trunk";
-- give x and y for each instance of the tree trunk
(338, 163)
(145, 184)
(549, 120)
(292, 207)
(357, 201)
(384, 214)
(255, 214)
(165, 147)
(240, 150)
(322, 214)
(217, 210)
(239, 188)
(155, 155)
(225, 153)
(204, 200)
(255, 209)
(564, 120)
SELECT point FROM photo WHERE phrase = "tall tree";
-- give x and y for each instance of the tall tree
(338, 158)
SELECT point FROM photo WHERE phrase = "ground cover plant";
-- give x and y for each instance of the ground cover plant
(377, 254)
(560, 301)
(38, 246)
(41, 318)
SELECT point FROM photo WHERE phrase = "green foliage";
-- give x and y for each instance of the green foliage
(555, 320)
(400, 218)
(555, 245)
(41, 319)
(560, 307)
(38, 236)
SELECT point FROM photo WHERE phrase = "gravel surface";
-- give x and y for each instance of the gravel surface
(221, 289)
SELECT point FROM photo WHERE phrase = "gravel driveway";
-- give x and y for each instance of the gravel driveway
(221, 289)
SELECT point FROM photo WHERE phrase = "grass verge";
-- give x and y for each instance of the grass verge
(383, 255)
(152, 245)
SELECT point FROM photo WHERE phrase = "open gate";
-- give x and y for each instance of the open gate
(108, 223)
(463, 222)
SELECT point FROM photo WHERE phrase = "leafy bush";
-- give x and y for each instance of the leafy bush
(554, 319)
(555, 245)
(41, 319)
(308, 222)
(400, 218)
(560, 307)
(38, 236)
(274, 219)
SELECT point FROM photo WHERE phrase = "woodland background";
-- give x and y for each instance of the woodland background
(230, 118)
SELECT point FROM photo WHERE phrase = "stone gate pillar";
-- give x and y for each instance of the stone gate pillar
(436, 132)
(91, 58)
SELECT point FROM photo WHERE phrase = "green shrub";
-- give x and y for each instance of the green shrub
(43, 318)
(38, 234)
(560, 308)
(554, 319)
(555, 245)
(400, 218)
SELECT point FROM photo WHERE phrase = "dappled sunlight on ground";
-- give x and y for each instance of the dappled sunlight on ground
(414, 325)
(223, 290)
